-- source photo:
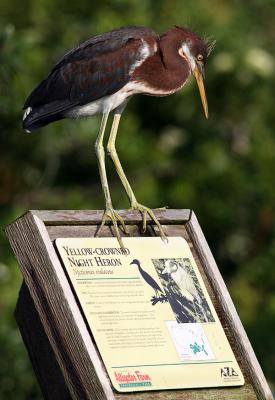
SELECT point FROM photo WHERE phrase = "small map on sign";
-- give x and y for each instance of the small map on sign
(190, 341)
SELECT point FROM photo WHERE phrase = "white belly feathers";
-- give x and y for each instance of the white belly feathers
(113, 101)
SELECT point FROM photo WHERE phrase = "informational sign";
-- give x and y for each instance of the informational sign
(149, 313)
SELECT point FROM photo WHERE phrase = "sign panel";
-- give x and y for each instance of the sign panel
(149, 312)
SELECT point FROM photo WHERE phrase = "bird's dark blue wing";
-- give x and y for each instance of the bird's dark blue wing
(106, 43)
(98, 67)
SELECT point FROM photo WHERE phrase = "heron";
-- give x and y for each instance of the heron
(100, 75)
(148, 279)
(185, 283)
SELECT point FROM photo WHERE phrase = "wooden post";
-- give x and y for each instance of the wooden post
(46, 368)
(62, 351)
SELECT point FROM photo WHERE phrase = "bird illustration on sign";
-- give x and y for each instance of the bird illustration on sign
(186, 284)
(101, 75)
(159, 294)
(183, 290)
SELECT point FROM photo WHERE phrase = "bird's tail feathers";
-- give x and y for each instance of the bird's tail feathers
(37, 117)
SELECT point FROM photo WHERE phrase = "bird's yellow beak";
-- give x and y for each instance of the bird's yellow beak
(199, 75)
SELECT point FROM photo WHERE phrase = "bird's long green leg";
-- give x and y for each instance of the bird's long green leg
(109, 210)
(132, 198)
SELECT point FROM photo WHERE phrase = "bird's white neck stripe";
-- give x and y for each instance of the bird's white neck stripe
(188, 56)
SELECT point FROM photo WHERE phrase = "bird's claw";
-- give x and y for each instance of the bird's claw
(144, 211)
(116, 219)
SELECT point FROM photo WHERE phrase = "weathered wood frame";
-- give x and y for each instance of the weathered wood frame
(61, 349)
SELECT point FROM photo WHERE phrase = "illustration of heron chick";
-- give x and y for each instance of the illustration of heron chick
(185, 283)
(101, 75)
(148, 279)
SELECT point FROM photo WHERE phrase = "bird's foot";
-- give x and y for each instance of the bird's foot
(116, 219)
(147, 211)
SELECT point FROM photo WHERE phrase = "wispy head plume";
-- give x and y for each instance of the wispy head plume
(210, 44)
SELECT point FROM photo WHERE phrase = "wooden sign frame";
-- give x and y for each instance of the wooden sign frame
(61, 348)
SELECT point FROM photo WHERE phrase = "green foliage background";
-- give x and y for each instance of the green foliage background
(222, 168)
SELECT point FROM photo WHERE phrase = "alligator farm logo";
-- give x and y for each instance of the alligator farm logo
(128, 380)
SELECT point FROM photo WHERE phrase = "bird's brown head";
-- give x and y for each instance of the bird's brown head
(195, 51)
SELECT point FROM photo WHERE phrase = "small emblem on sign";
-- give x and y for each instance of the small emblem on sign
(228, 372)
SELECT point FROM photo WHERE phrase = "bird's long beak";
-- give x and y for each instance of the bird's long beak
(199, 75)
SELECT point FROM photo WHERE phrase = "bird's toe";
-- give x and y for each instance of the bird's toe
(148, 211)
(116, 220)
